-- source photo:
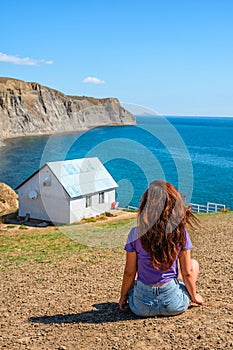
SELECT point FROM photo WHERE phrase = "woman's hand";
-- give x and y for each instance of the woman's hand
(198, 299)
(190, 270)
(123, 302)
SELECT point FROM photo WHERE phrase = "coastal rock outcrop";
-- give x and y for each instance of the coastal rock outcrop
(8, 199)
(28, 108)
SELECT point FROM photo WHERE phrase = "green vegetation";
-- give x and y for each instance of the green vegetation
(19, 244)
(104, 234)
(97, 218)
(23, 227)
(36, 245)
(222, 212)
(52, 244)
(131, 210)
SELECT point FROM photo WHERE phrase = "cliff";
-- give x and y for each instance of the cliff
(28, 108)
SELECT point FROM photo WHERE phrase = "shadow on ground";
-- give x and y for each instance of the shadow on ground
(104, 313)
(13, 218)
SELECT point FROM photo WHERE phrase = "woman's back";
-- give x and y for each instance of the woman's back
(152, 282)
(146, 272)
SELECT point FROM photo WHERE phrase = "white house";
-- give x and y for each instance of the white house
(67, 191)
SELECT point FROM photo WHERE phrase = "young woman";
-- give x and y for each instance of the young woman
(158, 256)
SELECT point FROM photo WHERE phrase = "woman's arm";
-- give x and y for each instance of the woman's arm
(189, 276)
(128, 277)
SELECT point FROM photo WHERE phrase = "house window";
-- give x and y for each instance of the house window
(101, 197)
(88, 201)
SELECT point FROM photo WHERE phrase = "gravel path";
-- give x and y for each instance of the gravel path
(72, 304)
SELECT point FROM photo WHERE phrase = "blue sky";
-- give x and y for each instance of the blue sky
(171, 56)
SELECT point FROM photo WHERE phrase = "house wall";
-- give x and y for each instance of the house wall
(52, 202)
(79, 211)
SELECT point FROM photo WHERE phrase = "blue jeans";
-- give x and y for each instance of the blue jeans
(168, 300)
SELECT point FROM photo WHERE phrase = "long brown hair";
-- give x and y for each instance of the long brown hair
(162, 218)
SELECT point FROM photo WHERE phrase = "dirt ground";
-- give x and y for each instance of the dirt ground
(73, 304)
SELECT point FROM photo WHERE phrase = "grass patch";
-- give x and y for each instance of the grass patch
(105, 234)
(91, 219)
(130, 210)
(214, 213)
(23, 227)
(36, 245)
(96, 218)
(51, 244)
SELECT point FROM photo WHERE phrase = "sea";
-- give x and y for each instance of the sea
(195, 154)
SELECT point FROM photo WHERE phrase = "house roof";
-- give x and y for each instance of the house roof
(81, 177)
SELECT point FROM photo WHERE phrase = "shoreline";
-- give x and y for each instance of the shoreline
(59, 133)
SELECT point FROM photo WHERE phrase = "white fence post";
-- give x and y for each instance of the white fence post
(209, 208)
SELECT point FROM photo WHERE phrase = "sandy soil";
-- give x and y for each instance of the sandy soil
(72, 304)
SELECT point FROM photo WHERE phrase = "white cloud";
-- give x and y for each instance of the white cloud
(26, 61)
(93, 80)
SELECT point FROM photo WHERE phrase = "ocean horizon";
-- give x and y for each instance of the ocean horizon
(193, 153)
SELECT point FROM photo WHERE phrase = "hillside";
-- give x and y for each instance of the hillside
(28, 108)
(58, 294)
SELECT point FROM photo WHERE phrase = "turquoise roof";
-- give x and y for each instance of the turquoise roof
(81, 177)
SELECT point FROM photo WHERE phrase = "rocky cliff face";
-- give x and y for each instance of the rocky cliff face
(33, 109)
